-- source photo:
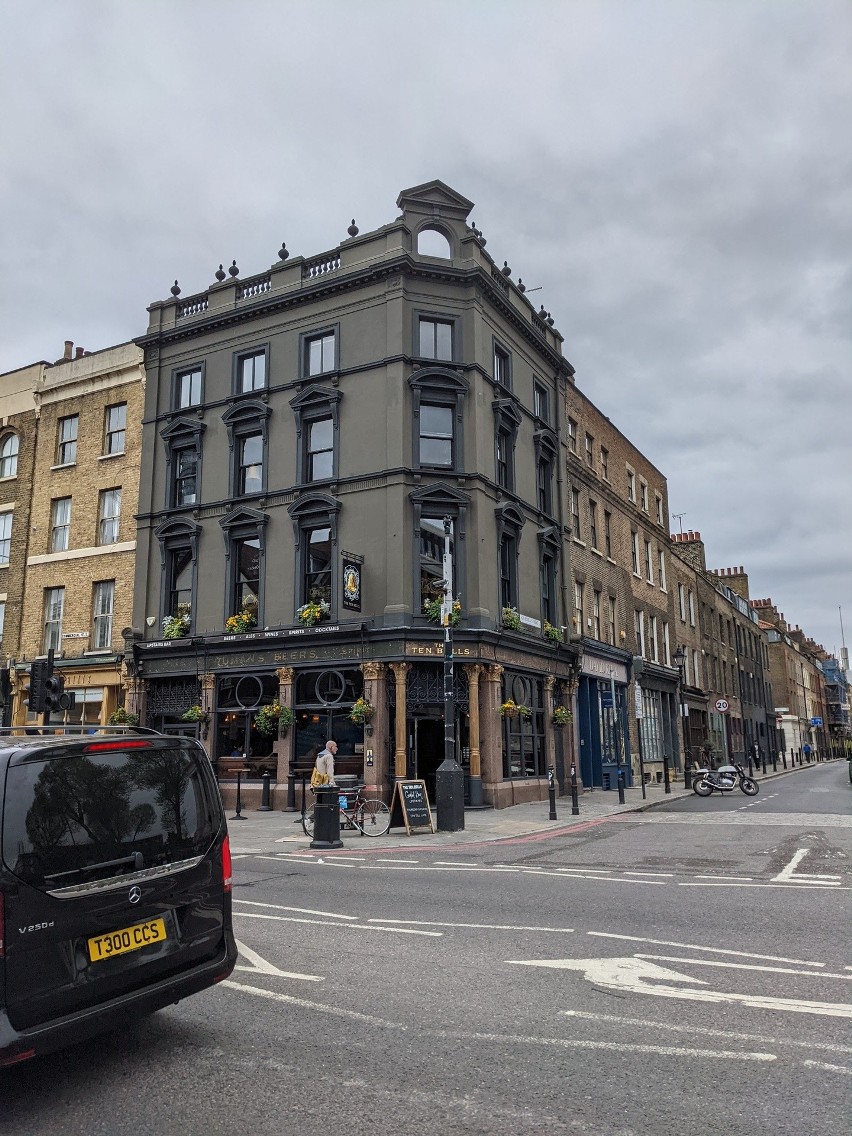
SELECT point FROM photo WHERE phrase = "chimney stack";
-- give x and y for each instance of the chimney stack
(69, 349)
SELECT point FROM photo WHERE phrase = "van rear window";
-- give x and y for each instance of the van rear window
(74, 819)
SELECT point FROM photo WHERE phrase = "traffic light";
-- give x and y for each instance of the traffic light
(55, 695)
(39, 670)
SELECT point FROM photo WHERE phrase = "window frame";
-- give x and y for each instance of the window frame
(510, 523)
(180, 436)
(608, 534)
(507, 422)
(312, 511)
(541, 401)
(593, 525)
(634, 552)
(546, 450)
(6, 537)
(102, 618)
(105, 518)
(631, 485)
(589, 451)
(571, 434)
(10, 439)
(315, 404)
(319, 335)
(240, 358)
(549, 549)
(421, 316)
(501, 363)
(178, 375)
(248, 418)
(604, 456)
(436, 386)
(177, 537)
(240, 525)
(53, 639)
(112, 432)
(60, 525)
(64, 445)
(574, 502)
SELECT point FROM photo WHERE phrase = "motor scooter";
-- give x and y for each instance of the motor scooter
(724, 779)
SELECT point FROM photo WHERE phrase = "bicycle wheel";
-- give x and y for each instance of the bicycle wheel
(308, 822)
(373, 818)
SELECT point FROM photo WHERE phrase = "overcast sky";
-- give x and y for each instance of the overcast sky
(676, 176)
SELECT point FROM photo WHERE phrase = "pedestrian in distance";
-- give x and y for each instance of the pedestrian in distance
(323, 773)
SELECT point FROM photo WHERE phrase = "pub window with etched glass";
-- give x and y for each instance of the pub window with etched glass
(524, 752)
(103, 606)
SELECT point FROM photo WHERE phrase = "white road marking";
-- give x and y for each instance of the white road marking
(298, 910)
(476, 926)
(704, 1031)
(787, 886)
(666, 874)
(620, 1047)
(326, 923)
(788, 874)
(828, 1068)
(451, 864)
(697, 947)
(630, 974)
(749, 966)
(731, 879)
(384, 861)
(336, 1011)
(591, 871)
(260, 965)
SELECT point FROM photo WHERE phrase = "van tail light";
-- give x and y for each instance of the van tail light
(2, 927)
(226, 864)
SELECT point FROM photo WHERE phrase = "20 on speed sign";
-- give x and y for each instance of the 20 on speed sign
(722, 705)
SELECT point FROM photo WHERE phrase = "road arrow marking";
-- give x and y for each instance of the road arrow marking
(633, 974)
(261, 966)
(788, 874)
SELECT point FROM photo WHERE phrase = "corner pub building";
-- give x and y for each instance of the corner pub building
(306, 432)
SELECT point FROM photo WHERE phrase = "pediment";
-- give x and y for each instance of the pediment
(436, 199)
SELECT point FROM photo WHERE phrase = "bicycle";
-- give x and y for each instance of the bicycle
(370, 816)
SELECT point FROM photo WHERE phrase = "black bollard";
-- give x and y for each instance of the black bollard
(551, 793)
(775, 763)
(763, 760)
(266, 795)
(750, 766)
(291, 790)
(784, 758)
(620, 783)
(575, 807)
(687, 775)
(667, 783)
(239, 805)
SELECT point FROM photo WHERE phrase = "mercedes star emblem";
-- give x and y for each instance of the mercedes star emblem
(135, 894)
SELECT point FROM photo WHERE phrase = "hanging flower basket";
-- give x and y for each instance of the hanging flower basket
(512, 709)
(196, 714)
(274, 719)
(432, 611)
(177, 626)
(510, 618)
(362, 712)
(551, 633)
(313, 612)
(562, 716)
(120, 717)
(243, 621)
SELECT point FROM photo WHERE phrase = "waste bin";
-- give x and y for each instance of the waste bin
(326, 818)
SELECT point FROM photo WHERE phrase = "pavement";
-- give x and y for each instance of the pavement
(279, 832)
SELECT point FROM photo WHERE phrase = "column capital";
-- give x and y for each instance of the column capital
(372, 670)
(285, 676)
(400, 670)
(494, 672)
(473, 672)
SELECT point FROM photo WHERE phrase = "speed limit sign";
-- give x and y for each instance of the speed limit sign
(722, 705)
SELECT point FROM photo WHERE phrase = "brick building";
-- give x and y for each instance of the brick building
(72, 558)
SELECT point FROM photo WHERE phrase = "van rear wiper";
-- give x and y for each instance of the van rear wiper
(135, 858)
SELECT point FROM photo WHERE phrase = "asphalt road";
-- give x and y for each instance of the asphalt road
(685, 970)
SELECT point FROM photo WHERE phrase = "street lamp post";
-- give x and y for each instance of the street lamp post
(449, 776)
(680, 661)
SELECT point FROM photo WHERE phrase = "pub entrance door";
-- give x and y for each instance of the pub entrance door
(427, 748)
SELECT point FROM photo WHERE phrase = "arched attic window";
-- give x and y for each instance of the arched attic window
(434, 242)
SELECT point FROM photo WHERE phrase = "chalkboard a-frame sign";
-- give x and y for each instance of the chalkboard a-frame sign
(410, 806)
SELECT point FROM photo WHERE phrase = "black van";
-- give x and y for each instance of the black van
(115, 882)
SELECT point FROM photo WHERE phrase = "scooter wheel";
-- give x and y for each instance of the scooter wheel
(749, 787)
(702, 788)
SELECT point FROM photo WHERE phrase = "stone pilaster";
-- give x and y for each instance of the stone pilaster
(400, 671)
(473, 672)
(491, 733)
(284, 745)
(375, 732)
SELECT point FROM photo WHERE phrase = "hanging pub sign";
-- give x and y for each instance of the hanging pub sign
(351, 564)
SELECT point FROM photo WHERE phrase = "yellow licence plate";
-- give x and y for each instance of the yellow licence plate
(127, 939)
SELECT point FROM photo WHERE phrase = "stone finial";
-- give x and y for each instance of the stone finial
(542, 313)
(282, 252)
(521, 285)
(506, 270)
(353, 229)
(233, 270)
(550, 319)
(220, 274)
(175, 289)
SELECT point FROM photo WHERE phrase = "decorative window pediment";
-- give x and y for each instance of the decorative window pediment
(549, 541)
(183, 430)
(546, 446)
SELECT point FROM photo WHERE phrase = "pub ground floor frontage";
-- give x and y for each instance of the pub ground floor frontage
(319, 673)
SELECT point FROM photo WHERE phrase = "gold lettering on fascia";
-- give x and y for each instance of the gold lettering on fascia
(436, 649)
